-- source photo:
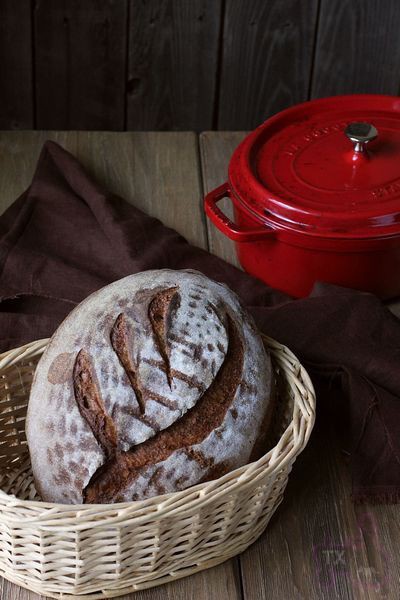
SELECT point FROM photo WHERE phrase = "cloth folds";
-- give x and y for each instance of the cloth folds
(65, 237)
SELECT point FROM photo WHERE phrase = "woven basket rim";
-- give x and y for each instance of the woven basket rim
(240, 476)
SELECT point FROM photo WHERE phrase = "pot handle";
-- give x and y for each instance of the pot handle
(228, 227)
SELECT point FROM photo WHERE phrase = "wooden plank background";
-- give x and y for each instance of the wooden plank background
(16, 65)
(80, 63)
(357, 48)
(173, 47)
(267, 59)
(179, 65)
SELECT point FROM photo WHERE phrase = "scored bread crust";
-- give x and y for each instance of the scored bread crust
(154, 383)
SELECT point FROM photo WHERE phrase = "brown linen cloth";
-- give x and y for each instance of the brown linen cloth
(66, 237)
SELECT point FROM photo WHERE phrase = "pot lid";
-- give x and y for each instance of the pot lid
(325, 167)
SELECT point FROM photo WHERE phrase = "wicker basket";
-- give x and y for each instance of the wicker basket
(103, 551)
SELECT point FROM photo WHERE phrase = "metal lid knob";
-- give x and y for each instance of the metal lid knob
(360, 134)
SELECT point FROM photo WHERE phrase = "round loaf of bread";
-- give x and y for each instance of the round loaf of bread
(152, 384)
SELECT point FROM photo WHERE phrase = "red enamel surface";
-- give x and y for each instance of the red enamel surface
(299, 170)
(308, 208)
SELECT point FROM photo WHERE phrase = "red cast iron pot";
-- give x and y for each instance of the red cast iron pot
(316, 196)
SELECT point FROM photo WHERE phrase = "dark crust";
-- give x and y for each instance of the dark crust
(216, 471)
(121, 469)
(119, 342)
(161, 309)
(160, 312)
(91, 405)
(166, 402)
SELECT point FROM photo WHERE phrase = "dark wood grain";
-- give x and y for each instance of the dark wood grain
(219, 583)
(358, 48)
(173, 49)
(80, 54)
(16, 96)
(178, 65)
(266, 61)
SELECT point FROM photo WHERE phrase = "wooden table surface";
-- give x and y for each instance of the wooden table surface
(318, 545)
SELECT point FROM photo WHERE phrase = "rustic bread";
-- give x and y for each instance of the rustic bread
(154, 383)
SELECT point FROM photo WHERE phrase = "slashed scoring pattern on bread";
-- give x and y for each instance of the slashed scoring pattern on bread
(152, 384)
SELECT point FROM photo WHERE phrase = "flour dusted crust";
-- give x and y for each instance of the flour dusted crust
(152, 384)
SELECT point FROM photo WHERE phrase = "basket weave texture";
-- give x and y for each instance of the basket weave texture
(103, 551)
